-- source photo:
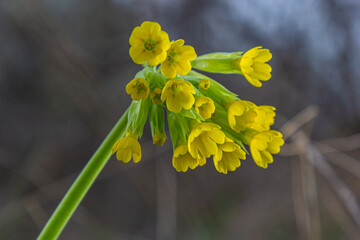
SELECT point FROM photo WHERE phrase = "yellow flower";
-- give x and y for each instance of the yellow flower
(228, 156)
(203, 139)
(253, 65)
(138, 88)
(205, 107)
(178, 94)
(127, 147)
(156, 96)
(241, 114)
(264, 118)
(149, 43)
(182, 159)
(159, 138)
(204, 84)
(178, 59)
(263, 145)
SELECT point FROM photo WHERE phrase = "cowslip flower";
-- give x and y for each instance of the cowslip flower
(178, 59)
(228, 156)
(178, 94)
(263, 145)
(182, 159)
(205, 107)
(203, 139)
(264, 118)
(204, 84)
(156, 96)
(126, 148)
(201, 112)
(138, 88)
(193, 139)
(253, 65)
(149, 44)
(240, 114)
(159, 138)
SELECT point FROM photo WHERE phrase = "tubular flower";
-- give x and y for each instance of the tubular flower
(138, 88)
(127, 147)
(182, 159)
(178, 94)
(204, 84)
(253, 65)
(205, 107)
(228, 156)
(149, 43)
(263, 145)
(264, 118)
(156, 96)
(241, 114)
(203, 139)
(178, 59)
(159, 139)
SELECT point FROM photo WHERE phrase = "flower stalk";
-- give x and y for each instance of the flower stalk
(82, 184)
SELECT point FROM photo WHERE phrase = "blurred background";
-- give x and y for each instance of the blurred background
(64, 66)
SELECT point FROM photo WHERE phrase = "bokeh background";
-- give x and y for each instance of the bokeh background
(64, 66)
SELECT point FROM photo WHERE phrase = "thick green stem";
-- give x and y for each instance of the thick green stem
(80, 187)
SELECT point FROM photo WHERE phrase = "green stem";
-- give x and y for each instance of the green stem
(82, 184)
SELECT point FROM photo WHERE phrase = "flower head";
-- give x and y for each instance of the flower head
(263, 145)
(149, 43)
(178, 94)
(253, 65)
(204, 84)
(127, 147)
(203, 139)
(182, 159)
(228, 156)
(178, 59)
(241, 114)
(156, 96)
(138, 88)
(205, 107)
(264, 118)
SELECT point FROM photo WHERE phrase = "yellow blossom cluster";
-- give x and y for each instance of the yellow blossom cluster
(205, 119)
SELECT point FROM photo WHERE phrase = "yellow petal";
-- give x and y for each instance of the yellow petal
(137, 36)
(264, 56)
(151, 27)
(183, 67)
(137, 55)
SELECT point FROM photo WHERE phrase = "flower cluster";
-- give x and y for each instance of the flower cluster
(205, 119)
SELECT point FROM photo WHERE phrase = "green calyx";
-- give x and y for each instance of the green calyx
(178, 127)
(154, 78)
(137, 116)
(157, 123)
(218, 62)
(217, 92)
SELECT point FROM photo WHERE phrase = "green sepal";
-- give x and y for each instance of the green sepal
(156, 118)
(154, 78)
(137, 116)
(218, 62)
(191, 113)
(217, 92)
(247, 135)
(178, 127)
